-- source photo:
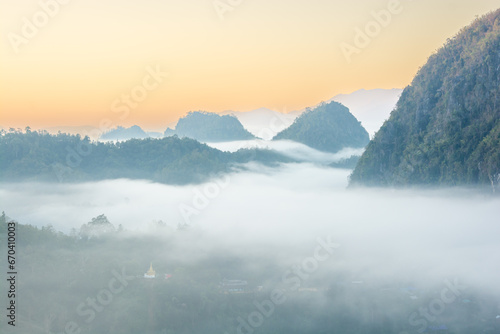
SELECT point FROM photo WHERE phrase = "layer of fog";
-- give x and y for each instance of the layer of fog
(384, 234)
(289, 148)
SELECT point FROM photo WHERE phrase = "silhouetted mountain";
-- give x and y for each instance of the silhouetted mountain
(209, 127)
(121, 133)
(370, 106)
(329, 127)
(446, 127)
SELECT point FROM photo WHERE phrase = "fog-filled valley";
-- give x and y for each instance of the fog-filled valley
(194, 201)
(306, 253)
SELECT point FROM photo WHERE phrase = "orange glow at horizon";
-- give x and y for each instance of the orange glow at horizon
(282, 55)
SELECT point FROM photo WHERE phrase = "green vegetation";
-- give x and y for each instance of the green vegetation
(348, 163)
(445, 129)
(329, 127)
(210, 127)
(38, 156)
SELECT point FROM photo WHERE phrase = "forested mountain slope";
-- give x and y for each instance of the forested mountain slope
(445, 129)
(329, 127)
(38, 156)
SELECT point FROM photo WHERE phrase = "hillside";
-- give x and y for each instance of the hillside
(445, 129)
(210, 127)
(329, 128)
(38, 156)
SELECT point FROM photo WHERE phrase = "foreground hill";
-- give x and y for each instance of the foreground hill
(210, 127)
(38, 156)
(329, 128)
(445, 129)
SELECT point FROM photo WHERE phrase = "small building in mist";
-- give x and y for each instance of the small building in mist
(151, 273)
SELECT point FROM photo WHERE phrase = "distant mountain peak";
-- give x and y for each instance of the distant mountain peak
(209, 127)
(329, 127)
(122, 133)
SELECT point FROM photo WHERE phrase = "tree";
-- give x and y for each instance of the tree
(99, 226)
(3, 223)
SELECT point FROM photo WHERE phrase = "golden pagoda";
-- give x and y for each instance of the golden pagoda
(151, 273)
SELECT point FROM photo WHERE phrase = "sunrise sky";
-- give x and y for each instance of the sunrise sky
(76, 67)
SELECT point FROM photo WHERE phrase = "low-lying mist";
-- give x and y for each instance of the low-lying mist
(291, 149)
(383, 233)
(371, 260)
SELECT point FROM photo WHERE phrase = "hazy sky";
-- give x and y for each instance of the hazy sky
(74, 66)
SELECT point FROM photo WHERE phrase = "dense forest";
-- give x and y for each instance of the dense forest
(445, 129)
(329, 127)
(39, 156)
(210, 127)
(90, 282)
